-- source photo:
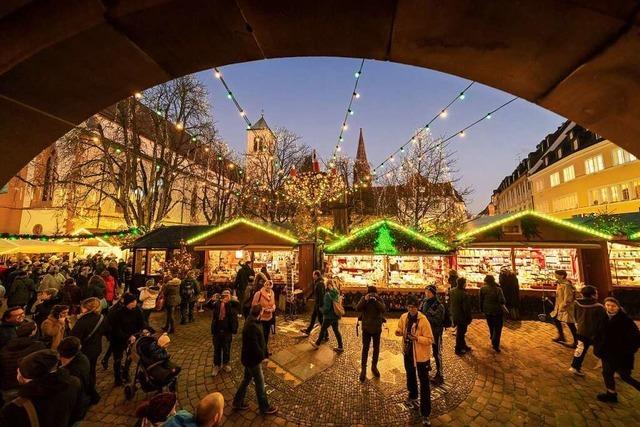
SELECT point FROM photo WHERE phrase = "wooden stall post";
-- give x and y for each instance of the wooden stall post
(306, 255)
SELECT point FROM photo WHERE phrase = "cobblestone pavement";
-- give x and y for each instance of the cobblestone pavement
(527, 384)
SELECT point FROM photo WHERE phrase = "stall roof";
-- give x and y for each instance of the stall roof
(482, 225)
(386, 237)
(244, 232)
(11, 246)
(328, 235)
(169, 237)
(627, 224)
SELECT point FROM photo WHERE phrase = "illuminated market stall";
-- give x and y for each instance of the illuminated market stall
(534, 246)
(394, 258)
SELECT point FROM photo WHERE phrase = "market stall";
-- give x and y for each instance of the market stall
(534, 246)
(26, 247)
(394, 258)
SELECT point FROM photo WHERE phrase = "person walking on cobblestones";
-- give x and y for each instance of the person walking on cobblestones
(89, 328)
(492, 305)
(318, 294)
(371, 309)
(591, 318)
(460, 307)
(125, 322)
(617, 346)
(224, 324)
(189, 291)
(564, 309)
(267, 300)
(172, 300)
(329, 317)
(254, 351)
(417, 339)
(434, 311)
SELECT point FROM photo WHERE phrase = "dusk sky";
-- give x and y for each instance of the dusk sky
(309, 96)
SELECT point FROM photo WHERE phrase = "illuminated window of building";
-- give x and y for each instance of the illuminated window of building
(568, 173)
(615, 193)
(624, 189)
(636, 188)
(538, 185)
(594, 164)
(565, 203)
(621, 156)
(554, 179)
(604, 195)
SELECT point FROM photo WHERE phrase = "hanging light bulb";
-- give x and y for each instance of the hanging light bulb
(338, 148)
(137, 95)
(489, 116)
(218, 74)
(402, 149)
(344, 126)
(356, 95)
(341, 139)
(444, 114)
(242, 113)
(179, 126)
(462, 134)
(461, 96)
(229, 95)
(350, 112)
(357, 74)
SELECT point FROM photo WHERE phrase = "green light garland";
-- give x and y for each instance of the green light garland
(241, 221)
(45, 238)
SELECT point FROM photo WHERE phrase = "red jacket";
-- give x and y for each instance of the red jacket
(110, 290)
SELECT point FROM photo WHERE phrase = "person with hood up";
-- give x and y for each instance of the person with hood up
(148, 296)
(433, 309)
(172, 300)
(417, 340)
(224, 324)
(617, 346)
(56, 326)
(564, 308)
(17, 348)
(329, 317)
(371, 309)
(48, 394)
(591, 318)
(209, 413)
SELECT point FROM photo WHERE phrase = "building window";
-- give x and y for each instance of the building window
(624, 189)
(538, 185)
(621, 156)
(568, 173)
(47, 186)
(554, 179)
(615, 193)
(594, 164)
(575, 145)
(559, 153)
(565, 203)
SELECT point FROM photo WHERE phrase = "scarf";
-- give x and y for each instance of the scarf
(223, 310)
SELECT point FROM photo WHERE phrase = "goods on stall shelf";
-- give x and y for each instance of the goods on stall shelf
(223, 264)
(625, 264)
(475, 264)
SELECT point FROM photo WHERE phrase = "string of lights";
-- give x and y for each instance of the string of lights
(231, 96)
(350, 112)
(45, 238)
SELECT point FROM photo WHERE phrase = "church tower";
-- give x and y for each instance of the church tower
(361, 168)
(260, 144)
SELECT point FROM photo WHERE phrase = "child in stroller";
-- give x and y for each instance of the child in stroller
(154, 369)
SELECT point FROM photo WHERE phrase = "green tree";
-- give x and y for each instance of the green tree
(384, 242)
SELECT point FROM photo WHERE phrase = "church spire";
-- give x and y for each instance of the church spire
(361, 168)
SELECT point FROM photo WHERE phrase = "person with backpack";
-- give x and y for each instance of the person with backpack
(224, 324)
(189, 291)
(591, 318)
(267, 300)
(433, 309)
(331, 310)
(371, 309)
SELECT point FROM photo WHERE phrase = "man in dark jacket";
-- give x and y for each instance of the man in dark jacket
(491, 304)
(21, 291)
(371, 309)
(11, 319)
(20, 346)
(591, 319)
(254, 351)
(189, 291)
(125, 322)
(82, 280)
(53, 393)
(77, 365)
(433, 309)
(224, 323)
(460, 314)
(243, 277)
(318, 295)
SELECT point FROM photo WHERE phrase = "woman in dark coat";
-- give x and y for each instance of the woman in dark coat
(616, 346)
(511, 290)
(89, 328)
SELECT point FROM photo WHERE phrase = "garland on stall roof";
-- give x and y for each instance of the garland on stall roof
(45, 238)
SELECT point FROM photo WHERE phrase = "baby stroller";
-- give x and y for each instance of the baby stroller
(151, 373)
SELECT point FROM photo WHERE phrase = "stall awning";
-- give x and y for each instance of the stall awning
(254, 248)
(386, 237)
(243, 232)
(169, 237)
(8, 246)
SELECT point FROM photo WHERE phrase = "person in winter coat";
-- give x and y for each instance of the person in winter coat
(460, 307)
(110, 286)
(172, 299)
(189, 291)
(148, 296)
(11, 319)
(56, 326)
(71, 296)
(89, 328)
(125, 322)
(96, 287)
(244, 276)
(371, 309)
(53, 393)
(17, 348)
(82, 280)
(51, 280)
(329, 317)
(260, 279)
(46, 300)
(22, 290)
(266, 299)
(433, 309)
(617, 346)
(209, 413)
(417, 340)
(564, 309)
(318, 295)
(511, 290)
(77, 365)
(591, 318)
(254, 351)
(452, 280)
(224, 324)
(491, 304)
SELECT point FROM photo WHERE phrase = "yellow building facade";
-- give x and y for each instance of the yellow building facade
(601, 178)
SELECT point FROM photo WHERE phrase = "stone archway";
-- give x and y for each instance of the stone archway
(61, 61)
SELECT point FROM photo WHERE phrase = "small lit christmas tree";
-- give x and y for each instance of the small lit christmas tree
(384, 242)
(181, 262)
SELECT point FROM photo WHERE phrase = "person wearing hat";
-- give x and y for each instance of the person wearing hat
(77, 365)
(47, 395)
(371, 309)
(156, 411)
(17, 348)
(126, 321)
(148, 296)
(89, 328)
(433, 309)
(172, 300)
(224, 324)
(417, 340)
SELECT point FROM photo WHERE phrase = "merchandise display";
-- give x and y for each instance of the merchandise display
(624, 261)
(222, 265)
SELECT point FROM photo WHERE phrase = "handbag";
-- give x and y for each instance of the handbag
(338, 308)
(160, 302)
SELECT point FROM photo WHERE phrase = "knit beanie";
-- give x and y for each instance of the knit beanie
(158, 408)
(38, 364)
(432, 289)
